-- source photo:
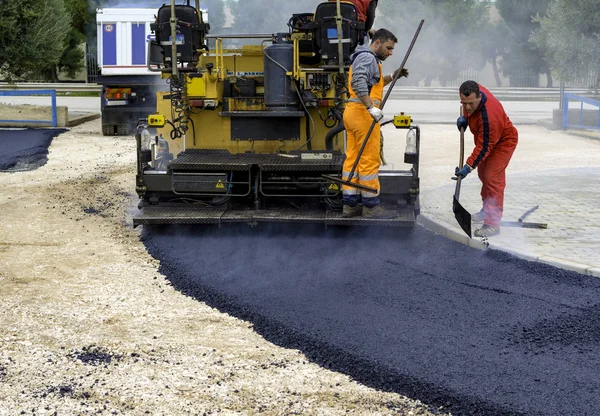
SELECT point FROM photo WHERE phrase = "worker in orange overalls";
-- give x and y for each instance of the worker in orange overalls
(365, 87)
(495, 141)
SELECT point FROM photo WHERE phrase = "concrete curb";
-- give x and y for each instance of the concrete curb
(451, 233)
(77, 120)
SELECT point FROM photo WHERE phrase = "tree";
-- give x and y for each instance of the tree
(494, 44)
(266, 16)
(570, 36)
(72, 59)
(32, 36)
(522, 55)
(449, 39)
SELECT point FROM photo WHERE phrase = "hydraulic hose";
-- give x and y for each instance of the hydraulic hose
(338, 128)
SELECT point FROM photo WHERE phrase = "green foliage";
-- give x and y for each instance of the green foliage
(520, 54)
(449, 41)
(32, 36)
(570, 35)
(266, 16)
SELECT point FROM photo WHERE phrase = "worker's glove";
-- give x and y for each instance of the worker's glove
(462, 122)
(375, 112)
(404, 73)
(466, 169)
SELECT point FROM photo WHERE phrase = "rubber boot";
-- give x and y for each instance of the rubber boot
(377, 212)
(487, 231)
(350, 212)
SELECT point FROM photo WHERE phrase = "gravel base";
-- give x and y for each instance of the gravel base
(90, 326)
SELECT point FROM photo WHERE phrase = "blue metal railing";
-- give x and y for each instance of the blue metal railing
(51, 93)
(582, 100)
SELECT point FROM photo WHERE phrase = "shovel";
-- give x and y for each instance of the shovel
(460, 213)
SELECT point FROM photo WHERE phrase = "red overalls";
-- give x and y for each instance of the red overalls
(495, 140)
(357, 121)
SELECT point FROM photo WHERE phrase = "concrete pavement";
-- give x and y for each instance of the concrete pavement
(557, 170)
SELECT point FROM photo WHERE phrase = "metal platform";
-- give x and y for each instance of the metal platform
(150, 215)
(222, 160)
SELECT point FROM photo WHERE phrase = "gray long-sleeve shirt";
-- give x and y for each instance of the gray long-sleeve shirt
(365, 70)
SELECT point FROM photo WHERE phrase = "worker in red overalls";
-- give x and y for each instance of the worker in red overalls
(365, 88)
(495, 141)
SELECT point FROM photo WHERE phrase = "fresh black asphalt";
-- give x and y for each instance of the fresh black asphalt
(477, 332)
(474, 332)
(25, 149)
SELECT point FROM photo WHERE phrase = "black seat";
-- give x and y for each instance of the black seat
(325, 31)
(190, 34)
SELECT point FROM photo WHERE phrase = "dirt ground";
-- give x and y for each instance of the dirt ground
(89, 325)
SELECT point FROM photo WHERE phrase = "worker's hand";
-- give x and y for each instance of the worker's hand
(466, 169)
(375, 112)
(462, 122)
(404, 73)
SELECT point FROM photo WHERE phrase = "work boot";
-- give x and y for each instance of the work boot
(377, 212)
(487, 231)
(478, 216)
(350, 212)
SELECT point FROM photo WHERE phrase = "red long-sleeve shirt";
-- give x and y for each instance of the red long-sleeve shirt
(490, 126)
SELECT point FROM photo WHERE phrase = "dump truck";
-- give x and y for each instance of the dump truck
(128, 86)
(253, 132)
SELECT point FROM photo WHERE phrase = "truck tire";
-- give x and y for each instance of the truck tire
(122, 130)
(108, 130)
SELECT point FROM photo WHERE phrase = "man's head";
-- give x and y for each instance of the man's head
(382, 43)
(470, 96)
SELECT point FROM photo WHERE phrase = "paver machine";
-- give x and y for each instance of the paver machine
(253, 132)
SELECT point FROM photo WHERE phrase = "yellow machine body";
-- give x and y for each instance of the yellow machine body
(251, 133)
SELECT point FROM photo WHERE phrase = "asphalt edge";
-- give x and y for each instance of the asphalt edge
(451, 233)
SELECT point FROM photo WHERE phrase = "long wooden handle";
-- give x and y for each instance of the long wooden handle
(398, 72)
(461, 158)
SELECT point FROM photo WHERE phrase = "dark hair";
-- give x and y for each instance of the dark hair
(384, 35)
(469, 87)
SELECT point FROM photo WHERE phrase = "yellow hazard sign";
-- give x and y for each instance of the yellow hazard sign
(220, 185)
(334, 187)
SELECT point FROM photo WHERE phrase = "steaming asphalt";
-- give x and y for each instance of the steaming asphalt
(410, 312)
(399, 310)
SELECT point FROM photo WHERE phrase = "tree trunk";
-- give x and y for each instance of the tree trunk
(496, 73)
(549, 79)
(54, 74)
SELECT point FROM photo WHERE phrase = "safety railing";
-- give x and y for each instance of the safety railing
(51, 93)
(59, 87)
(582, 117)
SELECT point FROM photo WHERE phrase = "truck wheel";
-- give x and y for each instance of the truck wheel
(122, 130)
(108, 130)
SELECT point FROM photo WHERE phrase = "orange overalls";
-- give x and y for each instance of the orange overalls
(357, 121)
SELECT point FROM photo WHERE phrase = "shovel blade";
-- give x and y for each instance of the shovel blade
(462, 216)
